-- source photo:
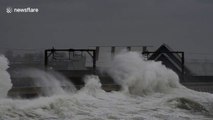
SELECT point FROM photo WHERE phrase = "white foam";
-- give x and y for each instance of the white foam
(5, 81)
(50, 82)
(102, 106)
(133, 73)
(156, 102)
(92, 85)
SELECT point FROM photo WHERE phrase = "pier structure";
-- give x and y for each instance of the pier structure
(170, 58)
(51, 53)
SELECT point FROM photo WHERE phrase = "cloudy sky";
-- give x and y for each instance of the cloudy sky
(185, 25)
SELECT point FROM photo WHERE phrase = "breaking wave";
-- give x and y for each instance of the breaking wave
(140, 77)
(5, 81)
(50, 82)
(150, 91)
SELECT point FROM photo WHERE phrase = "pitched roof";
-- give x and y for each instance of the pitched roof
(163, 53)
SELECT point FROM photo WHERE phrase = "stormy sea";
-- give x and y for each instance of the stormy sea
(150, 91)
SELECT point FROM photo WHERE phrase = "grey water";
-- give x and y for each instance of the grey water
(150, 91)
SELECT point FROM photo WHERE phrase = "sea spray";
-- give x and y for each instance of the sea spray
(144, 78)
(91, 102)
(92, 85)
(134, 74)
(5, 81)
(50, 82)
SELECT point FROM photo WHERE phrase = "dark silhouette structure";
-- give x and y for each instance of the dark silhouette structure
(170, 58)
(52, 53)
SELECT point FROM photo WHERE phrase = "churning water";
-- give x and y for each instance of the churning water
(150, 92)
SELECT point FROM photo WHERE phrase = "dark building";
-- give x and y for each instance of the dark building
(171, 59)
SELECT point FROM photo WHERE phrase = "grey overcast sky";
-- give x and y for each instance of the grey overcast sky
(185, 25)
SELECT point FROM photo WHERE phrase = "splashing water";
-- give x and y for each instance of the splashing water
(5, 81)
(151, 92)
(51, 82)
(92, 85)
(140, 77)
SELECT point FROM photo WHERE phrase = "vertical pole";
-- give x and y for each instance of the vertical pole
(94, 59)
(45, 59)
(97, 52)
(183, 71)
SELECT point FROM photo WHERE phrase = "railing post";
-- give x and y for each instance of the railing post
(46, 59)
(183, 69)
(94, 60)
